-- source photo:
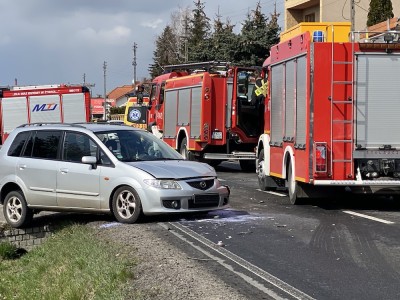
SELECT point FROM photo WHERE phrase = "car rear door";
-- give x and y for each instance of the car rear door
(37, 167)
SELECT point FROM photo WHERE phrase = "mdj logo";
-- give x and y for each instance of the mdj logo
(135, 115)
(45, 107)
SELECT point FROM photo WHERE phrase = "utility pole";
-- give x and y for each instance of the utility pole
(89, 85)
(134, 64)
(352, 19)
(105, 93)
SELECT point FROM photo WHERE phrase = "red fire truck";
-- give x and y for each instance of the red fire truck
(46, 103)
(204, 111)
(332, 115)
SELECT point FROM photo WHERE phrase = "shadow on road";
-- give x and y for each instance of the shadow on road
(357, 202)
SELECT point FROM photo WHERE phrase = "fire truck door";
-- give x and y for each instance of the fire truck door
(229, 94)
(161, 97)
(160, 107)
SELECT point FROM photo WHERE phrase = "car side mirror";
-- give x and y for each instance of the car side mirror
(90, 160)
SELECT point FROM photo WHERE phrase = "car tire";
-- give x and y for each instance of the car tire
(16, 210)
(126, 205)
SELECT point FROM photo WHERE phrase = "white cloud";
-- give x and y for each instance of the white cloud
(152, 24)
(108, 36)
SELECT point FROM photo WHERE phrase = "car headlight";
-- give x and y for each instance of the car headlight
(163, 184)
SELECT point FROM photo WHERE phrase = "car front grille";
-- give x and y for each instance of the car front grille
(206, 200)
(201, 184)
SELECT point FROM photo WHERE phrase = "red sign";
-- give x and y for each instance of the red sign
(98, 105)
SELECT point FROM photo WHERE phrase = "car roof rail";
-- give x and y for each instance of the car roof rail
(49, 124)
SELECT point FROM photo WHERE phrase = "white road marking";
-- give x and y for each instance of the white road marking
(260, 273)
(220, 179)
(273, 193)
(367, 217)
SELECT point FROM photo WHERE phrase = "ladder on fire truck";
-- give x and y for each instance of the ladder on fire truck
(347, 123)
(208, 66)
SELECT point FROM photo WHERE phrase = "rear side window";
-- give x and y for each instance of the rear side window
(18, 143)
(45, 144)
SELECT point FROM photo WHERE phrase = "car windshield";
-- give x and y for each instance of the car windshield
(137, 145)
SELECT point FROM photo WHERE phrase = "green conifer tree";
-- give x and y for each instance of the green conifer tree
(379, 11)
(223, 41)
(258, 34)
(165, 52)
(199, 34)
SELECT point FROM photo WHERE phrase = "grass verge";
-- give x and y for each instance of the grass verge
(72, 264)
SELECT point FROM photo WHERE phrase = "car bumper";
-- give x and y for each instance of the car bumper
(180, 201)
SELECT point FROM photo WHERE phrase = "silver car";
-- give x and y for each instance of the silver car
(100, 168)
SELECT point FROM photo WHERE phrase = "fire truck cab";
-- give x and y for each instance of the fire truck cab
(332, 112)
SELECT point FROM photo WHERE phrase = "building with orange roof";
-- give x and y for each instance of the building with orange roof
(119, 94)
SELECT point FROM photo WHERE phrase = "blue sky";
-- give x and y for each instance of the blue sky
(55, 42)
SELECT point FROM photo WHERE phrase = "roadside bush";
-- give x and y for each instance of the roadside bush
(8, 251)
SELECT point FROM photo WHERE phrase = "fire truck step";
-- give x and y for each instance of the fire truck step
(342, 82)
(342, 62)
(342, 160)
(342, 121)
(342, 102)
(342, 141)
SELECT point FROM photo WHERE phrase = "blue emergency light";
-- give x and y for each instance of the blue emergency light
(318, 36)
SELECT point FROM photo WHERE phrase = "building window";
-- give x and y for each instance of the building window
(309, 18)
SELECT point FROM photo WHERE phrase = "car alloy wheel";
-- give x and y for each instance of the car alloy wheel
(16, 210)
(126, 205)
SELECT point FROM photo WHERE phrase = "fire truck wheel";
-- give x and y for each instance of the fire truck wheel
(262, 178)
(183, 149)
(293, 187)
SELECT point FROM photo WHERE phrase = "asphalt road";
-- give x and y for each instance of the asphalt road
(339, 248)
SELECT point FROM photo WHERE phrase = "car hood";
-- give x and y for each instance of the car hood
(174, 169)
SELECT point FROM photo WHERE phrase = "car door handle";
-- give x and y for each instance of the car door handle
(64, 170)
(22, 167)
